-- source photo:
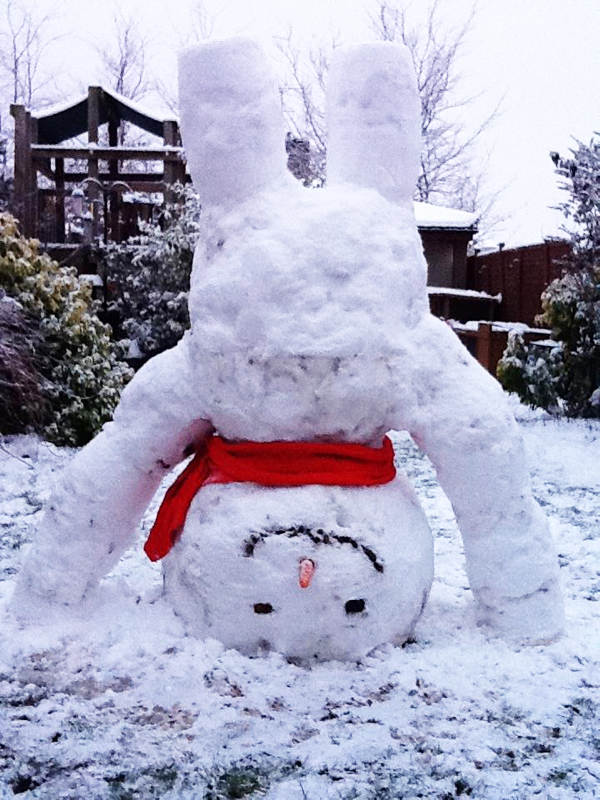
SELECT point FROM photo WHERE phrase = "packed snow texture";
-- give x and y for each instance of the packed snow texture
(374, 120)
(234, 135)
(113, 700)
(309, 322)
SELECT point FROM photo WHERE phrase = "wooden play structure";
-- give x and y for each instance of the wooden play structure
(102, 182)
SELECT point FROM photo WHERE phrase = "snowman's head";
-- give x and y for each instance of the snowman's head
(323, 592)
(333, 584)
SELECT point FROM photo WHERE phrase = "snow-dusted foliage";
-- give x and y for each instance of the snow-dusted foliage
(81, 374)
(580, 178)
(567, 377)
(572, 310)
(533, 372)
(148, 278)
(309, 324)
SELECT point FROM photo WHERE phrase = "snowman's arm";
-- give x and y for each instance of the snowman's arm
(92, 515)
(460, 418)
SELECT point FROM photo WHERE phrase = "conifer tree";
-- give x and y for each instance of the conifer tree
(567, 378)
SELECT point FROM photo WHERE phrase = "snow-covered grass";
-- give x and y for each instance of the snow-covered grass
(113, 701)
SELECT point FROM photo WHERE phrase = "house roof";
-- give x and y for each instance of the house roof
(442, 218)
(62, 122)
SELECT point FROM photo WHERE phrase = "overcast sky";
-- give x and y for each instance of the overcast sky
(541, 56)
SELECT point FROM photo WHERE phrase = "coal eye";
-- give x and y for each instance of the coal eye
(354, 606)
(263, 608)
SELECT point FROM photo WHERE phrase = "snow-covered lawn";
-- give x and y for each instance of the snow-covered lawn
(115, 702)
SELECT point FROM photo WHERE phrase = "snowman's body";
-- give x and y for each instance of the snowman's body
(295, 315)
(310, 323)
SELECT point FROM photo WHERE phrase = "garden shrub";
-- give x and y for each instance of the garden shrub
(81, 372)
(567, 378)
(533, 372)
(147, 279)
(23, 404)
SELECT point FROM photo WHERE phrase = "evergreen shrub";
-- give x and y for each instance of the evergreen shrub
(80, 372)
(566, 378)
(147, 279)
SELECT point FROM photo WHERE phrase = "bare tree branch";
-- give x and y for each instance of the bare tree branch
(200, 27)
(124, 60)
(123, 64)
(24, 41)
(435, 52)
(303, 100)
(449, 174)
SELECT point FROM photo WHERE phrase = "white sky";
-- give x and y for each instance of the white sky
(541, 56)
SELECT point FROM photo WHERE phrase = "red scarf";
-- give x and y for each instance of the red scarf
(267, 464)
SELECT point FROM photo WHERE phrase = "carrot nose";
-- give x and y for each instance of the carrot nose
(307, 570)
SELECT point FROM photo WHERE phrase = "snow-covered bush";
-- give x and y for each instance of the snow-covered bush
(81, 373)
(533, 372)
(148, 278)
(568, 376)
(572, 310)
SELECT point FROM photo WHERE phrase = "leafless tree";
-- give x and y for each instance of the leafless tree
(123, 64)
(199, 27)
(124, 60)
(303, 104)
(447, 155)
(451, 171)
(25, 38)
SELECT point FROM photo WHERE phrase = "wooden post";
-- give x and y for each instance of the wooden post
(25, 186)
(22, 161)
(113, 171)
(32, 179)
(483, 350)
(170, 165)
(446, 306)
(520, 296)
(60, 199)
(93, 114)
(547, 262)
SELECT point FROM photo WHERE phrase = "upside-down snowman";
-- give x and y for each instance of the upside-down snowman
(310, 339)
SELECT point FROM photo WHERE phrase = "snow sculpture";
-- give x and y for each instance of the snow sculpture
(310, 324)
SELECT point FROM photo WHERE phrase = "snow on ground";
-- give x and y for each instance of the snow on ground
(113, 701)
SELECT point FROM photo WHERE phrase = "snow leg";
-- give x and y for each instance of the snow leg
(461, 420)
(100, 497)
(374, 120)
(231, 121)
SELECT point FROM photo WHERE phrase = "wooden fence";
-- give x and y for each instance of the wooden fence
(520, 275)
(487, 341)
